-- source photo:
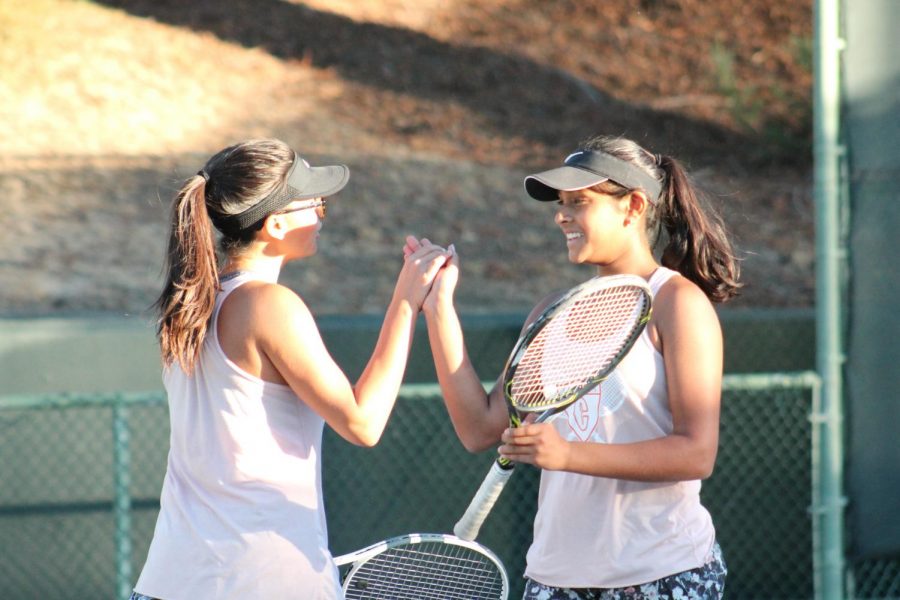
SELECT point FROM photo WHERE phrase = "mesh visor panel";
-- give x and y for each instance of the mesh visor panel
(584, 341)
(424, 571)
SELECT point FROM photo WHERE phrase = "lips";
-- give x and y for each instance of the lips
(571, 236)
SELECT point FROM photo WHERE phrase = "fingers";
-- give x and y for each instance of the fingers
(517, 442)
(414, 245)
(536, 444)
(454, 257)
(423, 248)
(434, 262)
(517, 452)
(429, 252)
(523, 434)
(422, 263)
(434, 270)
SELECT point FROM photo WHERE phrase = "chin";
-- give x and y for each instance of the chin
(306, 254)
(578, 258)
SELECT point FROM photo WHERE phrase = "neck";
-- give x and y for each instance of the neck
(641, 263)
(268, 268)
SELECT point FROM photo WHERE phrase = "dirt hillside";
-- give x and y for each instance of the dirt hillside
(439, 107)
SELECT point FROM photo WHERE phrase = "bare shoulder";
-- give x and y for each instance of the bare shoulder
(541, 306)
(272, 295)
(681, 303)
(263, 305)
(679, 291)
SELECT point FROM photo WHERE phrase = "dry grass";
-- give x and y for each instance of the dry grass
(440, 108)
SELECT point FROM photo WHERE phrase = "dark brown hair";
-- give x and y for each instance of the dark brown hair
(696, 242)
(232, 180)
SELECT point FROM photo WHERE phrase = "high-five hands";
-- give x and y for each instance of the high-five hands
(422, 261)
(445, 280)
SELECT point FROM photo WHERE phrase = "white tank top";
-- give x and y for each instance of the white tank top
(604, 533)
(241, 513)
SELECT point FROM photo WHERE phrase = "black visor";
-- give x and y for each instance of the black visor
(588, 168)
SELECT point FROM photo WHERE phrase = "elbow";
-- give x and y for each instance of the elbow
(364, 435)
(704, 465)
(473, 446)
(703, 472)
(695, 471)
(365, 441)
(695, 456)
(476, 442)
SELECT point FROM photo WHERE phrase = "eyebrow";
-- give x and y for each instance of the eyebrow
(574, 195)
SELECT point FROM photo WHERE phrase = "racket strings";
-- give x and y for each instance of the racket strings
(426, 571)
(579, 343)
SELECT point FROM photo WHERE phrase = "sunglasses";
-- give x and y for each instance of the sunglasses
(316, 203)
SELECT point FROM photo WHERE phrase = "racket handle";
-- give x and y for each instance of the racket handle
(469, 525)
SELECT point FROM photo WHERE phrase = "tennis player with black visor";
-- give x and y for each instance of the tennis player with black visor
(619, 512)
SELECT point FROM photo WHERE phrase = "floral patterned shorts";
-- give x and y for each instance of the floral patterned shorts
(703, 583)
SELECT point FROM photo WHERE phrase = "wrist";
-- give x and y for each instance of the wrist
(573, 458)
(567, 458)
(403, 306)
(434, 307)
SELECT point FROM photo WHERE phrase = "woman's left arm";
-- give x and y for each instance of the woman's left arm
(691, 343)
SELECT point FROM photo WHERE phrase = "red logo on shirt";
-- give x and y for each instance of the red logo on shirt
(584, 415)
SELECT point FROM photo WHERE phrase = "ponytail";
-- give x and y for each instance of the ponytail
(186, 303)
(233, 181)
(698, 246)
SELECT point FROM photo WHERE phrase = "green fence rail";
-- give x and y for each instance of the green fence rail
(80, 476)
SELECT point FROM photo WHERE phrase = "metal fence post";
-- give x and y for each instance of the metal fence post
(827, 153)
(122, 497)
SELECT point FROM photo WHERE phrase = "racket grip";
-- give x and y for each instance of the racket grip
(469, 525)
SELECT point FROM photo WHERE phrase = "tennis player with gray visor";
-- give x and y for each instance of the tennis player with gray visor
(250, 383)
(619, 512)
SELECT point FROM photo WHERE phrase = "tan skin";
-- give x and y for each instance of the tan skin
(269, 332)
(610, 233)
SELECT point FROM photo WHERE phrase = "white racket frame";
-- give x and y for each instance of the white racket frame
(359, 558)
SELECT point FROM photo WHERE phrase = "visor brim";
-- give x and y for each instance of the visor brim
(322, 182)
(547, 185)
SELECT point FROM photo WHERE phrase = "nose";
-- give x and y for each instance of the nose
(562, 215)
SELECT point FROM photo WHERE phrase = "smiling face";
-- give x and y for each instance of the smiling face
(596, 226)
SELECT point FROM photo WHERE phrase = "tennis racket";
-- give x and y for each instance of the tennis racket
(424, 566)
(569, 349)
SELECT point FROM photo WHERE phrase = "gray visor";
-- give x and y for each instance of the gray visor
(586, 169)
(302, 182)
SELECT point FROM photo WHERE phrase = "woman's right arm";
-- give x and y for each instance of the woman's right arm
(479, 418)
(287, 335)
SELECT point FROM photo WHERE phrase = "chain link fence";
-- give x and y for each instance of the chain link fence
(80, 479)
